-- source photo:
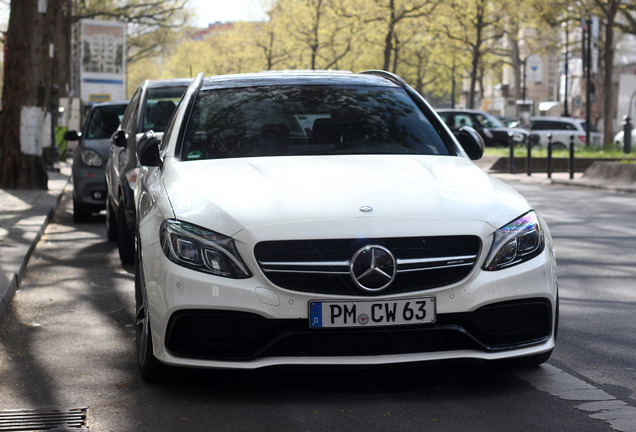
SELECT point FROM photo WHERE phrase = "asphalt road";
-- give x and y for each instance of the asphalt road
(595, 239)
(68, 341)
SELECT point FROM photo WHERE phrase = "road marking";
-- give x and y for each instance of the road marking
(601, 405)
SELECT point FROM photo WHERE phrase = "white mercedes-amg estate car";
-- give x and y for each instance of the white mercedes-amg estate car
(330, 218)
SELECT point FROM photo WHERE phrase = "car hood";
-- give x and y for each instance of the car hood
(229, 195)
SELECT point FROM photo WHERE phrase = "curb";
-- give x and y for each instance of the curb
(23, 238)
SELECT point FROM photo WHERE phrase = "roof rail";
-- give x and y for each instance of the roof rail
(388, 75)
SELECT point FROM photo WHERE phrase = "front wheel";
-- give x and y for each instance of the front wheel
(80, 214)
(111, 222)
(559, 146)
(125, 242)
(150, 368)
(531, 361)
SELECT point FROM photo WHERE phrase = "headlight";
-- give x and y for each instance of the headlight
(91, 158)
(517, 137)
(517, 242)
(200, 249)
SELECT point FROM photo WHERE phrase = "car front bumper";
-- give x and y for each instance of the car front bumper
(200, 320)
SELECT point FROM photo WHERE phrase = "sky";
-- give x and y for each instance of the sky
(206, 11)
(210, 11)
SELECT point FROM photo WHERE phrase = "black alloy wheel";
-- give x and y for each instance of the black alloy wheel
(125, 242)
(111, 222)
(149, 367)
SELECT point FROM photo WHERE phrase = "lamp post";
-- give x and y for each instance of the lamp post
(588, 76)
(453, 85)
(567, 55)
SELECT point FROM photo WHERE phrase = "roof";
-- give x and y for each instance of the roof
(298, 77)
(169, 82)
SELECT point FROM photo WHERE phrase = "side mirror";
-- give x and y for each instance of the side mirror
(72, 135)
(148, 150)
(119, 139)
(472, 142)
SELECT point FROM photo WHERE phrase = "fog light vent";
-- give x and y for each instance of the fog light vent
(44, 419)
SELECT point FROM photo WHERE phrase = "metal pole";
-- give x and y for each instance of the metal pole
(529, 160)
(511, 144)
(567, 55)
(627, 135)
(588, 85)
(549, 156)
(571, 157)
(453, 85)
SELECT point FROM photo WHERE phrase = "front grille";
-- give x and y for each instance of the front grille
(241, 336)
(323, 266)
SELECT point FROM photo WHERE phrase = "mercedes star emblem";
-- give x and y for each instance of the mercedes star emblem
(373, 268)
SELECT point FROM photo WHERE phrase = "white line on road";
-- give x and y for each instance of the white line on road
(602, 406)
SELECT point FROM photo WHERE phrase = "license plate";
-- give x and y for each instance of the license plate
(367, 313)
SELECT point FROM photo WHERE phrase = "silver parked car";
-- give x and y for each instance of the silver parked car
(150, 108)
(89, 158)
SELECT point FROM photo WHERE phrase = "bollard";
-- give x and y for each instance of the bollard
(571, 157)
(529, 159)
(511, 160)
(627, 134)
(549, 156)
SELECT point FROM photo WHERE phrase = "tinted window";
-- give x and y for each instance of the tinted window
(104, 121)
(307, 120)
(489, 121)
(160, 104)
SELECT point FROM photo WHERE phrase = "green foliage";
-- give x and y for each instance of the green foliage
(425, 41)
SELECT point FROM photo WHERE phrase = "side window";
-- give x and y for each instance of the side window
(163, 145)
(462, 120)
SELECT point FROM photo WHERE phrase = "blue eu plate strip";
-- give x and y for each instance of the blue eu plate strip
(315, 314)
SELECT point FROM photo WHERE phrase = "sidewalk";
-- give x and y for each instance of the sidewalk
(24, 215)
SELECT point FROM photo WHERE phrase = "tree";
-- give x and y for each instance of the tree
(474, 26)
(609, 10)
(25, 126)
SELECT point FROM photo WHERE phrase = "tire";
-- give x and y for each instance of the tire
(559, 146)
(80, 214)
(125, 242)
(111, 222)
(531, 361)
(150, 368)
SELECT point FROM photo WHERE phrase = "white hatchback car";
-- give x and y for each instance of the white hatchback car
(331, 218)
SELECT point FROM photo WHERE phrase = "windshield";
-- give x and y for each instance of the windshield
(307, 120)
(104, 121)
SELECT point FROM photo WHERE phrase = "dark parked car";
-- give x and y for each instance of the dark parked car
(150, 108)
(492, 130)
(89, 158)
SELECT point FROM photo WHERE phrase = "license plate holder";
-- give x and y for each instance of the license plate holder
(372, 313)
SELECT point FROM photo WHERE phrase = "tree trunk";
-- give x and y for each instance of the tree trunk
(25, 128)
(608, 66)
(388, 38)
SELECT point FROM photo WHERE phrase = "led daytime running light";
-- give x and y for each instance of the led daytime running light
(199, 249)
(517, 242)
